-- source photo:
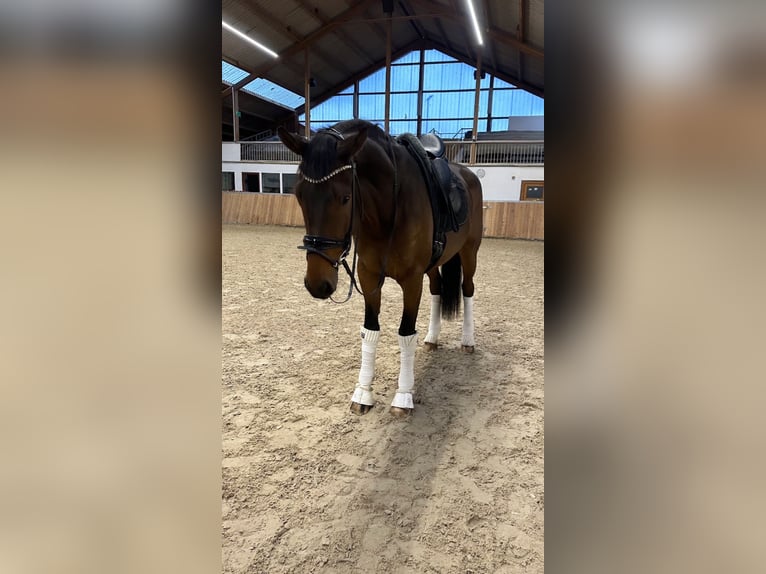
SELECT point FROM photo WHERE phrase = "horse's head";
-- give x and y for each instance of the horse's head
(325, 192)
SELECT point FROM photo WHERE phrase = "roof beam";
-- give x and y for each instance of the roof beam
(410, 17)
(228, 120)
(505, 38)
(324, 20)
(467, 43)
(415, 24)
(521, 33)
(297, 47)
(296, 69)
(443, 33)
(428, 5)
(376, 28)
(492, 31)
(488, 15)
(280, 27)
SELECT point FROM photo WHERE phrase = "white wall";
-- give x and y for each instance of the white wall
(498, 182)
(503, 182)
(230, 162)
(229, 151)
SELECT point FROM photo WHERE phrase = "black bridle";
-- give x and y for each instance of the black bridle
(318, 244)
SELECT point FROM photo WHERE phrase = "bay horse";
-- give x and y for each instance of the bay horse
(355, 181)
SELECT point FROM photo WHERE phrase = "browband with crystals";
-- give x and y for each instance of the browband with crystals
(329, 175)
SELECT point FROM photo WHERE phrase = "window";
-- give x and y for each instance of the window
(448, 91)
(288, 182)
(532, 191)
(270, 182)
(251, 182)
(227, 181)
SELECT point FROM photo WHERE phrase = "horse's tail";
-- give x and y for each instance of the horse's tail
(451, 287)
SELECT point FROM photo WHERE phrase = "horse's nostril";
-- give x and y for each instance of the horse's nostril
(325, 289)
(321, 290)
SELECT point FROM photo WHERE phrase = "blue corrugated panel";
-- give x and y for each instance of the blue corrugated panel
(448, 112)
(333, 110)
(410, 58)
(270, 91)
(516, 103)
(260, 87)
(375, 82)
(231, 74)
(456, 76)
(437, 56)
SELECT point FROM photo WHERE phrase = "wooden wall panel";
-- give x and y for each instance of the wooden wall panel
(261, 208)
(515, 220)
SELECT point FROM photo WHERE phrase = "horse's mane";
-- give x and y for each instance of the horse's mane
(320, 157)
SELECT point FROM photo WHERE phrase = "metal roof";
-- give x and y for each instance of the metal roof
(346, 39)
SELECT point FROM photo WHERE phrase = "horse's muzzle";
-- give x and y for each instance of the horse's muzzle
(319, 290)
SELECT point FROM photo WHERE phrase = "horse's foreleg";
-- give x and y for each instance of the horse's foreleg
(403, 403)
(468, 261)
(431, 342)
(361, 400)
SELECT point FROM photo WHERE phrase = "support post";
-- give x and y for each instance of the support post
(477, 97)
(356, 100)
(388, 74)
(307, 92)
(421, 75)
(489, 102)
(235, 112)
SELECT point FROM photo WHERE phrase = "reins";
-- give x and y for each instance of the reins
(317, 244)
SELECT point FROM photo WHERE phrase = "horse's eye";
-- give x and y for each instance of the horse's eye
(345, 199)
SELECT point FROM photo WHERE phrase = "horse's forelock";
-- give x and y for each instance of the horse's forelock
(320, 156)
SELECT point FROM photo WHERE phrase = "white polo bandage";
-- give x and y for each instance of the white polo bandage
(363, 391)
(403, 396)
(435, 323)
(468, 322)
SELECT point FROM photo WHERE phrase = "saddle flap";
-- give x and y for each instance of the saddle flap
(433, 145)
(452, 191)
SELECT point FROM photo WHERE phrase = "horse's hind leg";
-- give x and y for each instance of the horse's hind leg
(431, 342)
(361, 400)
(403, 402)
(468, 260)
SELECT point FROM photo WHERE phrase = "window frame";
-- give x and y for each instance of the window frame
(527, 183)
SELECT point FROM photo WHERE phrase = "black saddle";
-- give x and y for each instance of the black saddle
(449, 202)
(433, 145)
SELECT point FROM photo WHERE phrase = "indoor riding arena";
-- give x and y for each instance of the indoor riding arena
(308, 485)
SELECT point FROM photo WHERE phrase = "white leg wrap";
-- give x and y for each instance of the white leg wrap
(363, 391)
(468, 322)
(403, 396)
(435, 324)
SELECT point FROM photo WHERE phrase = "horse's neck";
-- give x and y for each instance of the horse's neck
(377, 200)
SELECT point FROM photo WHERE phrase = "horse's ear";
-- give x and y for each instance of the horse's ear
(347, 148)
(294, 142)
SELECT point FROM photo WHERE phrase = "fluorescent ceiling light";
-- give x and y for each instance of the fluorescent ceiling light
(249, 39)
(475, 22)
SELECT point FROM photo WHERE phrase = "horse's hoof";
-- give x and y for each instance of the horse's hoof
(430, 346)
(467, 349)
(400, 413)
(360, 409)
